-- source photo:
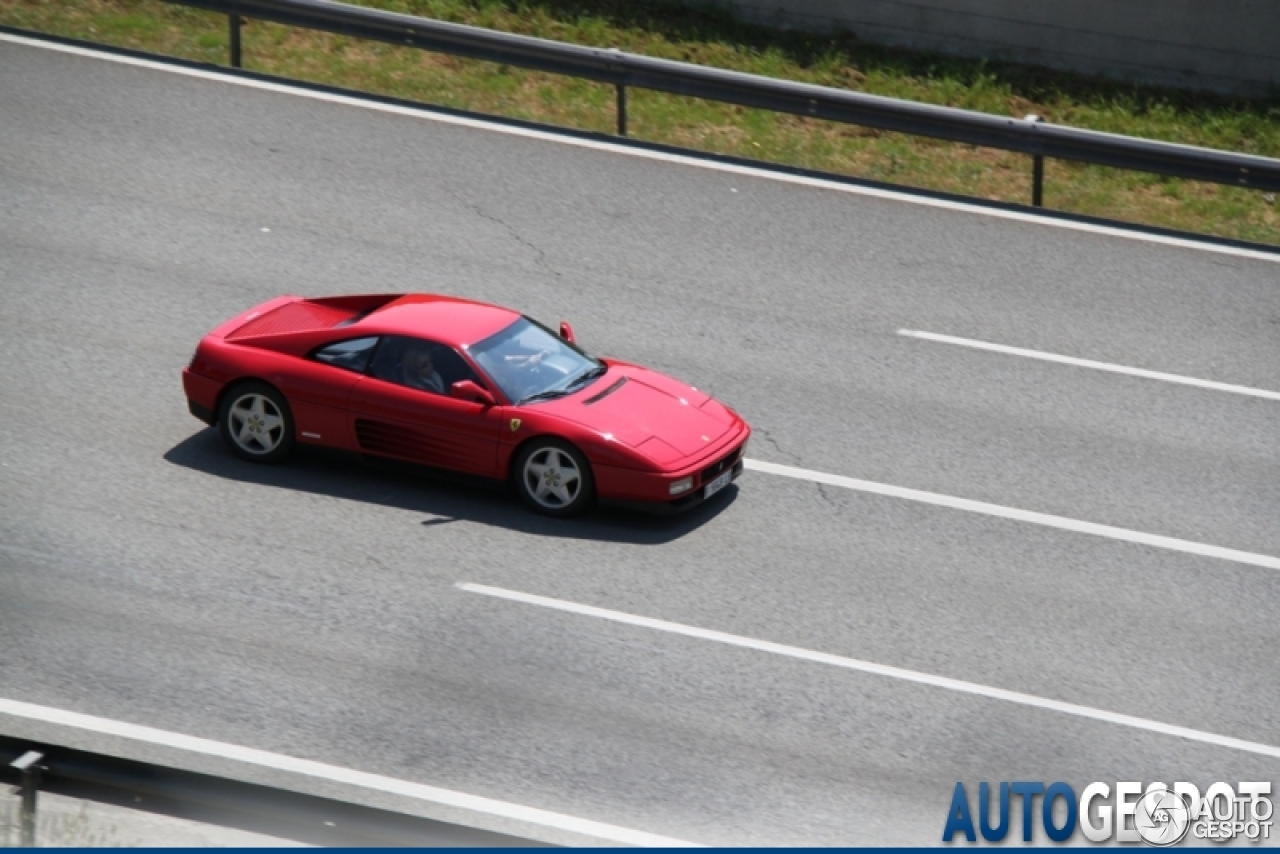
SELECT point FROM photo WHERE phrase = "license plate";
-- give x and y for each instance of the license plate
(718, 484)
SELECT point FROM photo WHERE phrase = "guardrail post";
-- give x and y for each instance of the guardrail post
(1037, 171)
(234, 22)
(621, 89)
(28, 764)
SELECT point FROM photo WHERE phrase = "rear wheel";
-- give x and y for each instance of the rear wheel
(255, 421)
(554, 478)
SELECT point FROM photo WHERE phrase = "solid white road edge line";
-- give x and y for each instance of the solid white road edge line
(550, 136)
(1089, 363)
(308, 768)
(1046, 519)
(877, 669)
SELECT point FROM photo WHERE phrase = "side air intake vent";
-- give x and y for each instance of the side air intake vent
(378, 438)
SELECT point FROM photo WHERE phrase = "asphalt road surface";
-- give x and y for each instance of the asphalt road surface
(313, 609)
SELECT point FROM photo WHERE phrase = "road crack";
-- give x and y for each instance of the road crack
(540, 256)
(764, 434)
(830, 499)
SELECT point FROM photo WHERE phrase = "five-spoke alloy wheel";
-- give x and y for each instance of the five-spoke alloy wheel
(554, 478)
(255, 421)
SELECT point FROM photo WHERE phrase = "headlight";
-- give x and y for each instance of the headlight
(684, 484)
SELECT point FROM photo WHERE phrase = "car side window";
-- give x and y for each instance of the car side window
(421, 364)
(353, 355)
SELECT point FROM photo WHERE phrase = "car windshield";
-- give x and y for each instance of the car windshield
(530, 362)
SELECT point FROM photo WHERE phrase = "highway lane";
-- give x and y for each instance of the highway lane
(312, 610)
(898, 413)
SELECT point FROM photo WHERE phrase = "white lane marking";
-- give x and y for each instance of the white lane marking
(308, 768)
(1089, 363)
(735, 169)
(1046, 519)
(877, 669)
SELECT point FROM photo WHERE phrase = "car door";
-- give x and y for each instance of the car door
(318, 386)
(390, 417)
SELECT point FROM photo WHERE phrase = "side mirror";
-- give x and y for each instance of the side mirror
(468, 390)
(566, 332)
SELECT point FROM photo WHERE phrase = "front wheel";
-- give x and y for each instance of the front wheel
(554, 478)
(256, 422)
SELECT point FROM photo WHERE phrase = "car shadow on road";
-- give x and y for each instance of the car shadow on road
(443, 498)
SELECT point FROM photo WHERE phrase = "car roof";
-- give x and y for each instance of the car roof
(449, 320)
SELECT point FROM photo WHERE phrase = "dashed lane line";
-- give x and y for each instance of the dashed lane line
(871, 667)
(1089, 363)
(1030, 516)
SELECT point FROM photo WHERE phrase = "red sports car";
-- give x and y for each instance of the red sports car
(454, 384)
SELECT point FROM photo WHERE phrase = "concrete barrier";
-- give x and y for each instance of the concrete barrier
(1225, 46)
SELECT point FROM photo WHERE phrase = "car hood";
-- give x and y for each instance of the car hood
(635, 405)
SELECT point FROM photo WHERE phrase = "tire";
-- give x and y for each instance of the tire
(554, 478)
(255, 422)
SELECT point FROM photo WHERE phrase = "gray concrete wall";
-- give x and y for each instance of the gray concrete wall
(1229, 46)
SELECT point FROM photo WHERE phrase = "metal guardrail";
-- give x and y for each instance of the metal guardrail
(1028, 136)
(217, 800)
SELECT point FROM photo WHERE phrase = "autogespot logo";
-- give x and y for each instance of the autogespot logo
(1157, 815)
(1162, 817)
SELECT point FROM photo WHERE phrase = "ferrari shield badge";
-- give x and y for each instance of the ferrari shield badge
(515, 424)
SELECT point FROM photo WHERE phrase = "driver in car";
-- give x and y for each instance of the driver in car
(418, 371)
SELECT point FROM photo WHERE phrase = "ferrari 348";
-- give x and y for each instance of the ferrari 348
(449, 383)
